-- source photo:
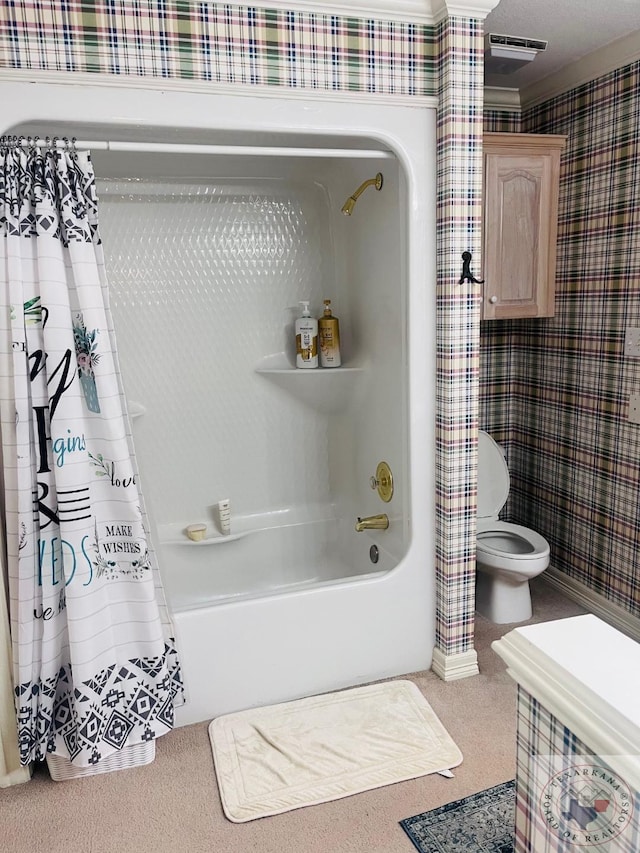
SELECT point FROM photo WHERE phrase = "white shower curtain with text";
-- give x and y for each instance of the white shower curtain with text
(95, 666)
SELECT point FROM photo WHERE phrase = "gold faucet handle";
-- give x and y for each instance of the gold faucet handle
(383, 481)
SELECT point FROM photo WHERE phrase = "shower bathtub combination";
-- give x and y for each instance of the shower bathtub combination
(219, 212)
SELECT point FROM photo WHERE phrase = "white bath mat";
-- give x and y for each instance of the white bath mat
(295, 754)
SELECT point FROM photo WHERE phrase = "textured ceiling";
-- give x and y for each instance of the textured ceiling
(573, 28)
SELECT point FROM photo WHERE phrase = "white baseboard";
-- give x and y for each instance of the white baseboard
(595, 603)
(453, 667)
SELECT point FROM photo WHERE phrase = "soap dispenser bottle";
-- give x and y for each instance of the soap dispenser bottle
(306, 339)
(329, 337)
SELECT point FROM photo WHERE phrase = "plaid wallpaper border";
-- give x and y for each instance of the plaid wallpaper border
(459, 204)
(573, 454)
(551, 764)
(219, 42)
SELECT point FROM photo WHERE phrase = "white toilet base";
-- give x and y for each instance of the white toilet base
(502, 600)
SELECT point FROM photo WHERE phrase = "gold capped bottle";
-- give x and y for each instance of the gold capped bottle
(329, 337)
(306, 339)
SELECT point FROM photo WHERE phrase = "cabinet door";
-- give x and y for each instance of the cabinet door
(520, 212)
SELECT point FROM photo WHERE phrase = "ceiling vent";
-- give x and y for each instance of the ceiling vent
(506, 54)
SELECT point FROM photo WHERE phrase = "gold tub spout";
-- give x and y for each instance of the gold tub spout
(373, 522)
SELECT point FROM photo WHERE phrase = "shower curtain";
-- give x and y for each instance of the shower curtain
(95, 666)
(11, 770)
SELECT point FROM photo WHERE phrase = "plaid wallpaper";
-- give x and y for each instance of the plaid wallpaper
(218, 42)
(556, 390)
(246, 44)
(502, 121)
(496, 397)
(460, 62)
(554, 768)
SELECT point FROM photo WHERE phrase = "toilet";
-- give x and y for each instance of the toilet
(507, 555)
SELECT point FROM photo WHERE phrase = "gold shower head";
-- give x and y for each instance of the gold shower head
(350, 203)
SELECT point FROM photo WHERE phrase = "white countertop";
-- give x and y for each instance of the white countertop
(587, 674)
(595, 654)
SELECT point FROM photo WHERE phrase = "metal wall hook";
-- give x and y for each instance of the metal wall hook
(466, 271)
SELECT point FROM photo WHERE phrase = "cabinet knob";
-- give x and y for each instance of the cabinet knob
(493, 299)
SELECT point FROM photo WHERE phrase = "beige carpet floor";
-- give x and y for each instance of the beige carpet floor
(173, 805)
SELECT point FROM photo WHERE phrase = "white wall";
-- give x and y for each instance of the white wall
(205, 277)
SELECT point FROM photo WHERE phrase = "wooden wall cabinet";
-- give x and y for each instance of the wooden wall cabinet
(521, 180)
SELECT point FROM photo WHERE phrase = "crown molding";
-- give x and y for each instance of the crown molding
(205, 87)
(428, 12)
(612, 56)
(506, 100)
(462, 8)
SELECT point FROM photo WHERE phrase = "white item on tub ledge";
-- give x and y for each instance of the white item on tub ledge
(196, 532)
(224, 517)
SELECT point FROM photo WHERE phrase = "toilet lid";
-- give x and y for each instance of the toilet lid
(493, 477)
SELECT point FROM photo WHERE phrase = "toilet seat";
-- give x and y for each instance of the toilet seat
(500, 538)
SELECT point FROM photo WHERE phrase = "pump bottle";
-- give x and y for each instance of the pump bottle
(306, 339)
(329, 337)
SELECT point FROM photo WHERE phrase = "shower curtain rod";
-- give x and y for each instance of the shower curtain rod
(188, 148)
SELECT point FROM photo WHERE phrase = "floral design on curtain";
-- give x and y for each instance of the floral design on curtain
(95, 665)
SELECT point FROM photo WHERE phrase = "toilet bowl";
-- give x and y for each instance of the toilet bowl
(507, 555)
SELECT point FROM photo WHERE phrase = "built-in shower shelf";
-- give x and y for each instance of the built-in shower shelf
(175, 533)
(328, 389)
(214, 539)
(136, 409)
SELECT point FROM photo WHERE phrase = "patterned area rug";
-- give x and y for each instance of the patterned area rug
(481, 823)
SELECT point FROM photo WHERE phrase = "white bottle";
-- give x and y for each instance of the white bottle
(224, 516)
(306, 339)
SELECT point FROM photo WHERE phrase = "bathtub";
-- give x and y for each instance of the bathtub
(209, 247)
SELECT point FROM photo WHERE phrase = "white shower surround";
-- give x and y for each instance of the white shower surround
(260, 649)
